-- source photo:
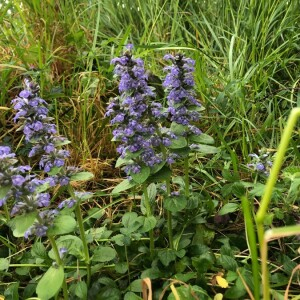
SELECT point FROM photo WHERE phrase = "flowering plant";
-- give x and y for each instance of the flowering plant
(33, 213)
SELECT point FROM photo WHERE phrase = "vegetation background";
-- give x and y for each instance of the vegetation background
(247, 78)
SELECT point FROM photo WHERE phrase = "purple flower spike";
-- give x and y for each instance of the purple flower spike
(134, 113)
(179, 83)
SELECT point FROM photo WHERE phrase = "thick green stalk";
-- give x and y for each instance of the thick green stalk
(82, 236)
(149, 214)
(251, 237)
(169, 217)
(260, 216)
(60, 263)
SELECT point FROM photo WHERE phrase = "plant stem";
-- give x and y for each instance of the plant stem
(186, 177)
(262, 211)
(6, 212)
(169, 217)
(60, 263)
(251, 239)
(82, 236)
(128, 265)
(149, 214)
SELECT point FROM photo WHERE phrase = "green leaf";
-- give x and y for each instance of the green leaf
(82, 176)
(54, 171)
(152, 191)
(148, 223)
(50, 283)
(142, 175)
(62, 224)
(4, 190)
(277, 295)
(157, 167)
(123, 186)
(132, 296)
(230, 176)
(183, 242)
(122, 161)
(238, 189)
(12, 292)
(95, 213)
(185, 277)
(288, 264)
(205, 149)
(62, 143)
(121, 267)
(258, 190)
(104, 254)
(203, 262)
(110, 293)
(161, 175)
(235, 292)
(178, 143)
(203, 235)
(136, 286)
(152, 273)
(178, 129)
(121, 239)
(72, 243)
(30, 289)
(81, 290)
(179, 180)
(180, 253)
(129, 218)
(228, 262)
(4, 264)
(202, 139)
(42, 188)
(228, 208)
(20, 224)
(22, 271)
(98, 233)
(188, 292)
(183, 152)
(38, 250)
(166, 256)
(175, 203)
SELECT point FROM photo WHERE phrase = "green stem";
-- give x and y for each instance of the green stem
(186, 177)
(149, 214)
(6, 212)
(169, 217)
(251, 237)
(60, 263)
(82, 236)
(260, 216)
(128, 265)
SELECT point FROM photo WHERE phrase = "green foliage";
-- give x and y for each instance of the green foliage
(123, 186)
(20, 224)
(82, 176)
(142, 176)
(247, 80)
(175, 203)
(50, 283)
(63, 224)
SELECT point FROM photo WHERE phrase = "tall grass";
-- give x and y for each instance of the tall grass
(251, 47)
(246, 54)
